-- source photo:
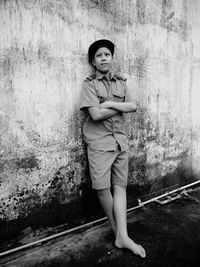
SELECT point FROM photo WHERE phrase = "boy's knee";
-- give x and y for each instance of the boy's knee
(103, 192)
(119, 188)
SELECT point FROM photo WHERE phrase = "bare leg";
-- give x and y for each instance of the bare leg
(106, 201)
(122, 239)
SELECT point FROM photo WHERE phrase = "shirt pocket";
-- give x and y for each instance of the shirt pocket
(119, 96)
(102, 97)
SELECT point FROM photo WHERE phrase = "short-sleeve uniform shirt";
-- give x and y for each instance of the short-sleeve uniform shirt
(109, 133)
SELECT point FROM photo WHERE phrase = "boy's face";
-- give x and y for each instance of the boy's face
(102, 60)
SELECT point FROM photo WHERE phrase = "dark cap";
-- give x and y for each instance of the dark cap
(98, 44)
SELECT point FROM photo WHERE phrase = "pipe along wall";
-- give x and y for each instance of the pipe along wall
(44, 177)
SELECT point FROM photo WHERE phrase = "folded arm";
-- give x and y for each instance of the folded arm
(124, 107)
(99, 113)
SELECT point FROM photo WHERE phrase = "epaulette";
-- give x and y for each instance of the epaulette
(117, 76)
(90, 78)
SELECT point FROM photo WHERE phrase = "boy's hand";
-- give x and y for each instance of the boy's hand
(106, 104)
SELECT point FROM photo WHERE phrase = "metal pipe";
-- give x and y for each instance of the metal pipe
(141, 204)
(45, 239)
(163, 195)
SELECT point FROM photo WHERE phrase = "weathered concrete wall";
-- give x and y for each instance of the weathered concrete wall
(195, 79)
(43, 55)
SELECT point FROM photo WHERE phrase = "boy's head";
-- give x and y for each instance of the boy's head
(100, 55)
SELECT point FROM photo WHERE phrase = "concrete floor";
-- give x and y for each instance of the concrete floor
(170, 234)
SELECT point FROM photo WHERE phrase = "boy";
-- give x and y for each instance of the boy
(105, 97)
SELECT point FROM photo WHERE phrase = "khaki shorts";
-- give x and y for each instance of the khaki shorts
(108, 167)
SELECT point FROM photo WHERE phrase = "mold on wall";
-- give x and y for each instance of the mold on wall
(43, 56)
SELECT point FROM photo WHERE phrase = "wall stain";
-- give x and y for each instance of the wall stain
(140, 5)
(170, 21)
(30, 162)
(138, 66)
(182, 155)
(102, 5)
(43, 52)
(137, 169)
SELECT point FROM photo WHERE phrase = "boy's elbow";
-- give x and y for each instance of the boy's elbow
(94, 113)
(95, 117)
(133, 107)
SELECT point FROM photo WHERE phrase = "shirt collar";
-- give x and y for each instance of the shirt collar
(100, 76)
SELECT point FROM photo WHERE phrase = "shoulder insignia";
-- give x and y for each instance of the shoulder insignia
(117, 76)
(90, 78)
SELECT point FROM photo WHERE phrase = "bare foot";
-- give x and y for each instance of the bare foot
(130, 244)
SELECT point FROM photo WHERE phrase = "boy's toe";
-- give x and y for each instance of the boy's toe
(142, 252)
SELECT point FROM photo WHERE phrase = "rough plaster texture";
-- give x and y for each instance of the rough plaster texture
(43, 56)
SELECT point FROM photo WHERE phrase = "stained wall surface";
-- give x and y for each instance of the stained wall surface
(43, 61)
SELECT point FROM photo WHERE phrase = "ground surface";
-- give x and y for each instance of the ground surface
(170, 234)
